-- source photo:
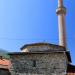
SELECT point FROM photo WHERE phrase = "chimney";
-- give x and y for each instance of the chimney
(61, 12)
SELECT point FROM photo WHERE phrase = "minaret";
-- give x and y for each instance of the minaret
(61, 12)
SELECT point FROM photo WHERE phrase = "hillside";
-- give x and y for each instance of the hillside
(4, 54)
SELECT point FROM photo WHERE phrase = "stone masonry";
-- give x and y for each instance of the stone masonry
(46, 64)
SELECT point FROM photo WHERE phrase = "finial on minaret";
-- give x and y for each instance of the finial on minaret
(61, 11)
(60, 3)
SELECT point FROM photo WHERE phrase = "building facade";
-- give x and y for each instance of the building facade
(40, 59)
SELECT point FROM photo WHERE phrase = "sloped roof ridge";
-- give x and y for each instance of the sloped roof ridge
(39, 43)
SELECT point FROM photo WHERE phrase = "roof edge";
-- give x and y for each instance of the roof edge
(42, 43)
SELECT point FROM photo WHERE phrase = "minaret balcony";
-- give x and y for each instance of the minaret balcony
(61, 10)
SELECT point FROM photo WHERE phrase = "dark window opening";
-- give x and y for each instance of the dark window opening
(34, 63)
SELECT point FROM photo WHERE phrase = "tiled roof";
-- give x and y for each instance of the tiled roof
(70, 73)
(4, 63)
(70, 69)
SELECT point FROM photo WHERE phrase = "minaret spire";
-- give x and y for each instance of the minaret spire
(61, 12)
(60, 3)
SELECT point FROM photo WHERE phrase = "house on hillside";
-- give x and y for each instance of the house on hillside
(4, 63)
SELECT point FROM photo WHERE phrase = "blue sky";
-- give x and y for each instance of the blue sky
(29, 21)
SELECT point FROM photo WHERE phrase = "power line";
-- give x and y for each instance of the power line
(6, 38)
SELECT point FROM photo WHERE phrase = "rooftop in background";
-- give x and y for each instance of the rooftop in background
(71, 69)
(4, 59)
(5, 64)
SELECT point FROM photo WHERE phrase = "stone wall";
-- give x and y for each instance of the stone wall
(38, 64)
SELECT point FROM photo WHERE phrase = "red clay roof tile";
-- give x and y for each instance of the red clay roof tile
(4, 63)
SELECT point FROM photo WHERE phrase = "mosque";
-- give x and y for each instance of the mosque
(43, 58)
